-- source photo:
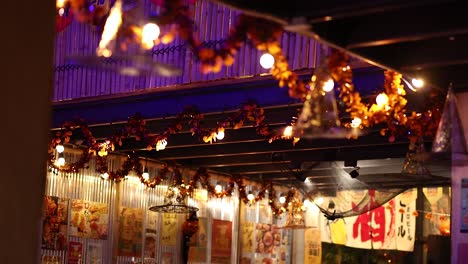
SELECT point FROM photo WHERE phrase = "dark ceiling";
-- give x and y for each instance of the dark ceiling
(418, 38)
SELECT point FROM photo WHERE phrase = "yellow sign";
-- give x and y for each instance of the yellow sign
(248, 229)
(313, 246)
(169, 230)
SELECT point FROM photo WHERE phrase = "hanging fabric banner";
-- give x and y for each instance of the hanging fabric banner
(169, 230)
(390, 226)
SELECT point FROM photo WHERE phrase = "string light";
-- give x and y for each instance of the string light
(381, 100)
(282, 199)
(288, 131)
(149, 34)
(161, 145)
(220, 133)
(105, 175)
(417, 83)
(218, 188)
(61, 159)
(267, 60)
(60, 148)
(328, 85)
(356, 122)
(145, 174)
(250, 196)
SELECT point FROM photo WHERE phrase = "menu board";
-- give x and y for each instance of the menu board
(54, 224)
(89, 219)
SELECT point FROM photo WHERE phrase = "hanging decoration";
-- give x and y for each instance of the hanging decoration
(319, 116)
(415, 158)
(295, 216)
(450, 129)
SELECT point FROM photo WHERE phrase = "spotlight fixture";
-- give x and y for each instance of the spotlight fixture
(331, 205)
(354, 173)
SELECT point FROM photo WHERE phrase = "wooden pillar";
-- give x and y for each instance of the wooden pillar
(27, 29)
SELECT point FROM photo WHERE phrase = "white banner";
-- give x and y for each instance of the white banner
(390, 226)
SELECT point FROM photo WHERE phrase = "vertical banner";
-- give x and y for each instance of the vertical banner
(151, 236)
(54, 224)
(221, 241)
(75, 252)
(94, 253)
(405, 221)
(89, 219)
(169, 229)
(285, 248)
(199, 242)
(130, 232)
(247, 230)
(313, 246)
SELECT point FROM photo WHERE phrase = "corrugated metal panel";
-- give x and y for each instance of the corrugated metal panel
(213, 21)
(87, 185)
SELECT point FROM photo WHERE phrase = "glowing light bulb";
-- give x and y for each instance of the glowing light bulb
(382, 99)
(218, 188)
(319, 201)
(60, 148)
(328, 85)
(61, 161)
(288, 131)
(267, 60)
(105, 175)
(175, 190)
(250, 196)
(145, 174)
(61, 12)
(282, 199)
(417, 83)
(220, 133)
(161, 145)
(356, 122)
(149, 34)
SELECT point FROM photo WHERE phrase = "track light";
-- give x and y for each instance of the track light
(354, 173)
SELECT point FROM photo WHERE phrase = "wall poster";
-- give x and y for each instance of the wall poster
(130, 232)
(75, 252)
(199, 242)
(151, 236)
(221, 241)
(268, 239)
(45, 259)
(248, 229)
(89, 219)
(54, 224)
